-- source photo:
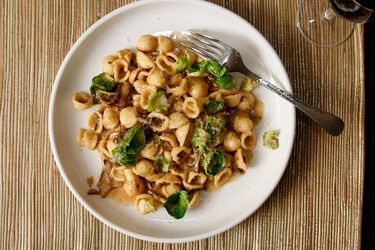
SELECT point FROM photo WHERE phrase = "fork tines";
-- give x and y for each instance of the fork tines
(205, 46)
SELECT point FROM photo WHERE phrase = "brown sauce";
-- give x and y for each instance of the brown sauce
(90, 181)
(119, 195)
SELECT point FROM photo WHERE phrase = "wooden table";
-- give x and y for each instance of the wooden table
(317, 204)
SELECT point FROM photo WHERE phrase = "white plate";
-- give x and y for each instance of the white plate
(217, 211)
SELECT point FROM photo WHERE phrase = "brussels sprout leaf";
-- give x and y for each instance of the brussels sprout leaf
(213, 106)
(177, 204)
(158, 102)
(213, 163)
(132, 143)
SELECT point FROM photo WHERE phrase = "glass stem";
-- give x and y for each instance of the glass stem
(328, 15)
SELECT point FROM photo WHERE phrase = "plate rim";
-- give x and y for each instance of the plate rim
(56, 155)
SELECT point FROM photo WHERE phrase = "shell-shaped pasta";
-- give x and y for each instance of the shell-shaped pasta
(157, 78)
(189, 55)
(110, 118)
(159, 122)
(148, 91)
(217, 95)
(197, 87)
(144, 60)
(176, 79)
(170, 139)
(180, 154)
(107, 65)
(226, 92)
(143, 75)
(178, 106)
(168, 179)
(222, 177)
(228, 160)
(121, 70)
(136, 101)
(194, 200)
(95, 121)
(102, 146)
(164, 44)
(248, 140)
(113, 141)
(154, 177)
(231, 141)
(147, 43)
(151, 151)
(179, 89)
(128, 117)
(126, 54)
(170, 189)
(240, 159)
(177, 120)
(183, 134)
(247, 102)
(167, 155)
(90, 139)
(191, 107)
(143, 168)
(134, 74)
(133, 184)
(82, 100)
(233, 100)
(124, 94)
(117, 173)
(145, 203)
(179, 170)
(195, 181)
(140, 86)
(164, 63)
(242, 123)
(257, 112)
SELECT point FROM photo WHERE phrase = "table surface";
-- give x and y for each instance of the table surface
(318, 202)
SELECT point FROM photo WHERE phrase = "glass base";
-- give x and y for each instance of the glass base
(320, 25)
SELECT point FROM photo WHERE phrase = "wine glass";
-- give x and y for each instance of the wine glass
(327, 23)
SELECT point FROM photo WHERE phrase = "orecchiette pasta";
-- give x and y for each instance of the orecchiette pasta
(110, 118)
(195, 199)
(147, 43)
(107, 64)
(151, 151)
(144, 60)
(222, 177)
(191, 108)
(169, 125)
(197, 87)
(159, 122)
(157, 78)
(164, 44)
(128, 117)
(248, 140)
(177, 120)
(126, 54)
(183, 134)
(231, 141)
(95, 121)
(82, 100)
(145, 203)
(242, 123)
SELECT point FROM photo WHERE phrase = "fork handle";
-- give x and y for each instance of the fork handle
(329, 122)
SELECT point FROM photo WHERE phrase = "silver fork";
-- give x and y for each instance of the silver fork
(212, 48)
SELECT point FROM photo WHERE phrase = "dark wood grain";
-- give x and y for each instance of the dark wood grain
(316, 205)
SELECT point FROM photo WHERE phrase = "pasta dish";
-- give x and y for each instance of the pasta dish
(168, 124)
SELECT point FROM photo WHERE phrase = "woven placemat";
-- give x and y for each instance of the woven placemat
(317, 204)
